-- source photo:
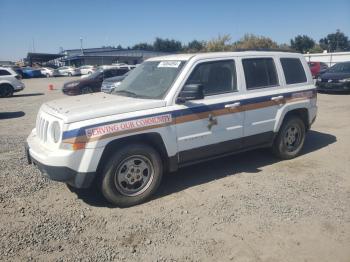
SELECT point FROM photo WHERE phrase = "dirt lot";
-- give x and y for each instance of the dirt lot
(249, 207)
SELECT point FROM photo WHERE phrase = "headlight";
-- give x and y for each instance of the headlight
(116, 84)
(55, 131)
(344, 80)
(73, 84)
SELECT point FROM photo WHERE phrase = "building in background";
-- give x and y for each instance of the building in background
(106, 56)
(328, 58)
(91, 56)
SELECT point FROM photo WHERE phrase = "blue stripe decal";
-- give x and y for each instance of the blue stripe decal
(180, 112)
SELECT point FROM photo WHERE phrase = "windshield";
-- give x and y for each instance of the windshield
(340, 68)
(150, 79)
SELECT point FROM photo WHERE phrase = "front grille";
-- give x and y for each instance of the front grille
(42, 126)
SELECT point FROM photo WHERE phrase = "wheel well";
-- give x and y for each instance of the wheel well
(302, 113)
(152, 139)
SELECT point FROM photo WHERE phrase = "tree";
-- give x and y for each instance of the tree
(221, 43)
(250, 41)
(316, 49)
(194, 46)
(167, 45)
(302, 43)
(335, 42)
(143, 46)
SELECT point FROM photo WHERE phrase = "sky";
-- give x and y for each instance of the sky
(45, 26)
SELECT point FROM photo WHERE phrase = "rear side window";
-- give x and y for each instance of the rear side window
(4, 72)
(260, 73)
(293, 70)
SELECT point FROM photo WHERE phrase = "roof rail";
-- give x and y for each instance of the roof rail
(264, 49)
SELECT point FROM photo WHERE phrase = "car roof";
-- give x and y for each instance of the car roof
(186, 57)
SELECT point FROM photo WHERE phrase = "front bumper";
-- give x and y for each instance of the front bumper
(76, 168)
(62, 173)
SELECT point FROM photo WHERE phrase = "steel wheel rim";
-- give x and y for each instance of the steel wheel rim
(292, 137)
(134, 175)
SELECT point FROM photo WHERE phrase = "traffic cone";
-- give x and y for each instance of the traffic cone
(50, 86)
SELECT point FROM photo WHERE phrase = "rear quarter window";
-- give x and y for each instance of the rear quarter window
(293, 70)
(4, 72)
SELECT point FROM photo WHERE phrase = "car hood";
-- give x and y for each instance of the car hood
(114, 79)
(79, 81)
(84, 107)
(335, 76)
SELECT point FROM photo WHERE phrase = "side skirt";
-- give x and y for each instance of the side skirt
(227, 148)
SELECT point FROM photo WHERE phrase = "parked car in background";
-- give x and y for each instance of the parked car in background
(66, 71)
(9, 82)
(335, 79)
(86, 69)
(92, 83)
(29, 72)
(109, 84)
(47, 71)
(317, 68)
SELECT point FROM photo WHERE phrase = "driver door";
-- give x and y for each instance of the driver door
(211, 126)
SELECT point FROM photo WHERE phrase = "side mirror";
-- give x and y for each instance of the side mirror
(191, 92)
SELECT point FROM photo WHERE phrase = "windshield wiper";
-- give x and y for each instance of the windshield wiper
(125, 92)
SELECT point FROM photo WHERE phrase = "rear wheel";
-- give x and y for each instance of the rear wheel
(86, 90)
(131, 175)
(69, 74)
(290, 138)
(6, 90)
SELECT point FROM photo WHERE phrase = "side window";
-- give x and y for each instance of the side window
(108, 73)
(216, 77)
(293, 70)
(4, 73)
(259, 73)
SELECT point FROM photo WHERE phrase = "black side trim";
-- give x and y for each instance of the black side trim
(226, 148)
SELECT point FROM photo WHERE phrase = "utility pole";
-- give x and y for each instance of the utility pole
(81, 45)
(33, 45)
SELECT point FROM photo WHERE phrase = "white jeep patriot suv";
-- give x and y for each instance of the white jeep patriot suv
(173, 111)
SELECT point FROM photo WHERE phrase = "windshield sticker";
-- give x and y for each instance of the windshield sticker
(174, 64)
(128, 125)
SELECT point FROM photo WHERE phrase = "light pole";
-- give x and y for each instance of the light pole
(81, 45)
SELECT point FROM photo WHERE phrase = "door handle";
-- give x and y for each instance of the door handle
(276, 98)
(233, 105)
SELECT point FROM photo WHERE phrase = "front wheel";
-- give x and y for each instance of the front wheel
(86, 90)
(290, 138)
(131, 175)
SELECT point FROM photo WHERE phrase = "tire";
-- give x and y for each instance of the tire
(86, 90)
(89, 73)
(47, 75)
(131, 175)
(69, 74)
(290, 138)
(6, 90)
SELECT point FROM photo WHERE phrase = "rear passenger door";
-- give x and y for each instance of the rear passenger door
(263, 99)
(213, 125)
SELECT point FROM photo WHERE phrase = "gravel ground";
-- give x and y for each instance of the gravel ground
(248, 207)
